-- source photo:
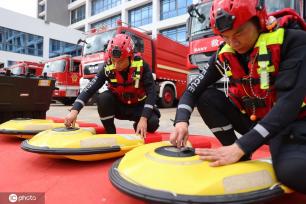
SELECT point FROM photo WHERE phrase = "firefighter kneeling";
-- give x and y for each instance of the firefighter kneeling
(131, 93)
(266, 97)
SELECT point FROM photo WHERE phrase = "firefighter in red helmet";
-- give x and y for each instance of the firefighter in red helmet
(264, 100)
(131, 93)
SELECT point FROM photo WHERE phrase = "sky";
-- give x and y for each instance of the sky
(27, 7)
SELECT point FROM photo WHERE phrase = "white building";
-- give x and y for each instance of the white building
(24, 38)
(55, 11)
(164, 16)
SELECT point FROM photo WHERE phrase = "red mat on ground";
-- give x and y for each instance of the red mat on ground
(68, 181)
(63, 181)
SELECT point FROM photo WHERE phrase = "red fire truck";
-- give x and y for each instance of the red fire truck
(166, 57)
(65, 69)
(26, 67)
(203, 43)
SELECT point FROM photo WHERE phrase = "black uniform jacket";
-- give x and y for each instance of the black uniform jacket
(290, 84)
(98, 81)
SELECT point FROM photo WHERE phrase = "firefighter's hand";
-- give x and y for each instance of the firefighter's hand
(71, 118)
(180, 135)
(222, 155)
(142, 127)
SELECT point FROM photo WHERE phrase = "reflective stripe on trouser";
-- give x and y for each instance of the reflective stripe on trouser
(107, 109)
(107, 117)
(224, 128)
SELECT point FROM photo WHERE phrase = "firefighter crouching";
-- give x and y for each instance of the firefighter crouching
(265, 99)
(131, 93)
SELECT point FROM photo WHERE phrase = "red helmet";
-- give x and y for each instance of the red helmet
(231, 14)
(121, 46)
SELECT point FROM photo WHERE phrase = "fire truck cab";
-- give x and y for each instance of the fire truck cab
(65, 69)
(26, 68)
(166, 57)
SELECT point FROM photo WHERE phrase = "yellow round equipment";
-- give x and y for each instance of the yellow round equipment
(81, 144)
(162, 173)
(26, 128)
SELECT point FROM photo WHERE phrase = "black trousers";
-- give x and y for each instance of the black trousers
(288, 149)
(222, 116)
(109, 107)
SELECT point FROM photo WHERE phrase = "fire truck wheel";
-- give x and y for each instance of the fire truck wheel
(167, 99)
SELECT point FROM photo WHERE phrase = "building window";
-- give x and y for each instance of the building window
(57, 48)
(172, 8)
(141, 16)
(178, 34)
(109, 22)
(78, 14)
(98, 6)
(20, 42)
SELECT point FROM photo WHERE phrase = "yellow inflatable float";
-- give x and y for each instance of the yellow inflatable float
(81, 144)
(162, 173)
(26, 128)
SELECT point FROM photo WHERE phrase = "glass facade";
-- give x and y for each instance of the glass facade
(172, 8)
(141, 16)
(20, 42)
(97, 6)
(109, 22)
(77, 14)
(178, 34)
(57, 48)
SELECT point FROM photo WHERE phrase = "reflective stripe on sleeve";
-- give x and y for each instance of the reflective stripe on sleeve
(261, 130)
(148, 106)
(184, 106)
(80, 101)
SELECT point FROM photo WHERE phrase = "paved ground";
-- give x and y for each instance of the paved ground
(90, 114)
